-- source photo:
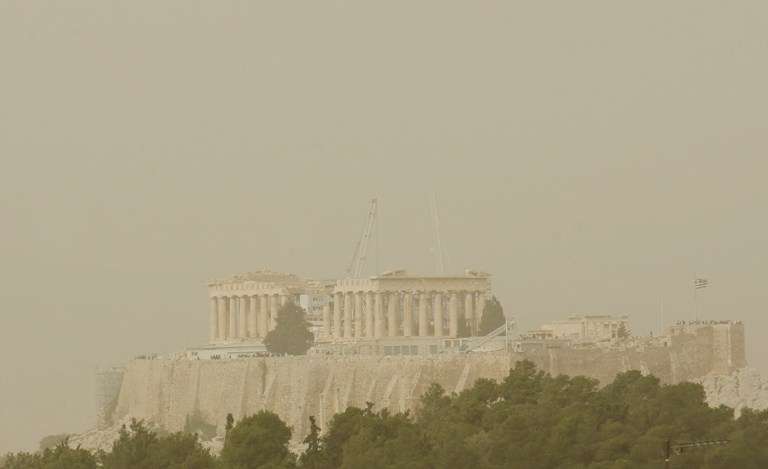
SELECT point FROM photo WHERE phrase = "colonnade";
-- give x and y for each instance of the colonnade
(235, 317)
(378, 314)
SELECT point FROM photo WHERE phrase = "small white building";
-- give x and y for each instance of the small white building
(586, 328)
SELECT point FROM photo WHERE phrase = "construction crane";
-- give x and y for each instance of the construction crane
(438, 249)
(361, 250)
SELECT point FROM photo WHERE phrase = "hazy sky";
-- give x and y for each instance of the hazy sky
(593, 156)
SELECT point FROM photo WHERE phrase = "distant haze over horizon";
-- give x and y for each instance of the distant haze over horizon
(593, 157)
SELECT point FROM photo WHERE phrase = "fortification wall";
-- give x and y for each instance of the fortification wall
(167, 391)
(601, 364)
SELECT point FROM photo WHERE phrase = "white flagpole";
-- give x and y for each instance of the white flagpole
(661, 317)
(695, 299)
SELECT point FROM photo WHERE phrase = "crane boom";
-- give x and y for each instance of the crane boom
(439, 254)
(361, 250)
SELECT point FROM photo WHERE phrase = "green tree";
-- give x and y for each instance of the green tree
(492, 318)
(312, 458)
(258, 441)
(343, 426)
(291, 335)
(448, 424)
(230, 423)
(51, 441)
(362, 438)
(137, 447)
(529, 419)
(59, 457)
(388, 441)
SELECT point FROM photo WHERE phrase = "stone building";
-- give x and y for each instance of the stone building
(167, 391)
(720, 342)
(244, 308)
(396, 304)
(585, 328)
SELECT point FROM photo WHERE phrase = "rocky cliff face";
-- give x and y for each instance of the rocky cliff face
(740, 389)
(167, 392)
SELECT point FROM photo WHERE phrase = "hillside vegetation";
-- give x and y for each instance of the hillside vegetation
(529, 420)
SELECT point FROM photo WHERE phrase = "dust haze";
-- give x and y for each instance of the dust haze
(594, 157)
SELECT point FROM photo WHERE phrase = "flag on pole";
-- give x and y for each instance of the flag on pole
(700, 283)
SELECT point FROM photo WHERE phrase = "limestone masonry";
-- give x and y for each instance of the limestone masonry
(245, 307)
(167, 391)
(385, 340)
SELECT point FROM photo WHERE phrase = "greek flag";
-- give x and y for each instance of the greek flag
(700, 283)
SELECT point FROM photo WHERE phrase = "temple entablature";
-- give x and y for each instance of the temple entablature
(399, 281)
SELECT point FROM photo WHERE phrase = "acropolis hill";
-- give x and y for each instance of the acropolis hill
(385, 340)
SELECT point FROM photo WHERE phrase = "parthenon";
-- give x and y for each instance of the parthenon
(393, 304)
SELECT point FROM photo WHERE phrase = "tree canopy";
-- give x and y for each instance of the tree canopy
(528, 420)
(140, 448)
(534, 420)
(258, 441)
(291, 334)
(59, 457)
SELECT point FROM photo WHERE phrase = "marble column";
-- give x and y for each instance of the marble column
(242, 318)
(359, 333)
(423, 321)
(479, 309)
(392, 301)
(233, 303)
(453, 315)
(337, 315)
(253, 315)
(437, 314)
(348, 315)
(274, 304)
(327, 319)
(213, 320)
(378, 315)
(263, 315)
(369, 333)
(223, 317)
(469, 315)
(407, 314)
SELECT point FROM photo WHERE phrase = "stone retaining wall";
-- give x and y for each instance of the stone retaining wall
(167, 391)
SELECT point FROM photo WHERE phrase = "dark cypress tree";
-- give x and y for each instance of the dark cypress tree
(311, 459)
(493, 316)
